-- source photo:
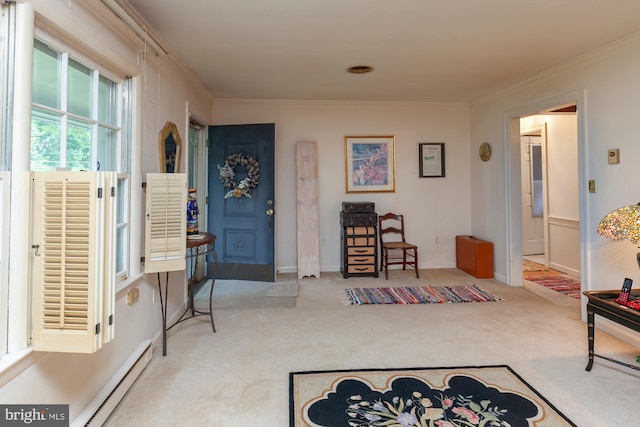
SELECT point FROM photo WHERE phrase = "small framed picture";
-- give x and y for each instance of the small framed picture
(431, 159)
(370, 164)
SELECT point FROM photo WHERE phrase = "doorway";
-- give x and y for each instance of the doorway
(562, 166)
(241, 200)
(197, 179)
(533, 151)
(551, 211)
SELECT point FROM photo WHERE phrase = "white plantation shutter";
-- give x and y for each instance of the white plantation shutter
(166, 222)
(109, 181)
(72, 275)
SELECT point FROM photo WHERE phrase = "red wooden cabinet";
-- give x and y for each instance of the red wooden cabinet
(474, 256)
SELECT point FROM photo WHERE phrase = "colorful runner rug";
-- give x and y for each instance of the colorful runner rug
(425, 397)
(559, 283)
(418, 295)
(528, 266)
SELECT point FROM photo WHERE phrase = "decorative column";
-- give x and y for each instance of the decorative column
(307, 209)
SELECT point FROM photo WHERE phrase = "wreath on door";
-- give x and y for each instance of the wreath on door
(227, 175)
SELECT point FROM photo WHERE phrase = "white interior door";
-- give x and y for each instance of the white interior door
(533, 235)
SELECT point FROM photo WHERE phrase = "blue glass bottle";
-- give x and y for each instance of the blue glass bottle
(192, 212)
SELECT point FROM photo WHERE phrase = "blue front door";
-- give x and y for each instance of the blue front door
(243, 222)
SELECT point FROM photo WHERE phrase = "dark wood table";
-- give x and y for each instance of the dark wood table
(603, 304)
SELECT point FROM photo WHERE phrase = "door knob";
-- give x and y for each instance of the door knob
(269, 212)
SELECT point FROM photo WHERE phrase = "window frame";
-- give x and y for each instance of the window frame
(122, 127)
(17, 324)
(130, 97)
(63, 110)
(7, 66)
(124, 225)
(19, 27)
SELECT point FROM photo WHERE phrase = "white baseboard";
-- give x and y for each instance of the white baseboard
(565, 269)
(616, 330)
(114, 390)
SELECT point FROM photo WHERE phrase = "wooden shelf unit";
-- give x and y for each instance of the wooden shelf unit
(359, 244)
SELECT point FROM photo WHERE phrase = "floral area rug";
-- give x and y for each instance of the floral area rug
(560, 283)
(423, 397)
(418, 295)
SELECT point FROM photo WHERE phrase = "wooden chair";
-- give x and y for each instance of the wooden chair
(392, 240)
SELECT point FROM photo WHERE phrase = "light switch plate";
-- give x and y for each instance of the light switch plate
(592, 186)
(613, 156)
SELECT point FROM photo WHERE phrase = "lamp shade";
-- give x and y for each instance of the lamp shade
(622, 224)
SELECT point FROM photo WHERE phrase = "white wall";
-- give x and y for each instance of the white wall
(473, 198)
(433, 207)
(165, 89)
(562, 162)
(606, 88)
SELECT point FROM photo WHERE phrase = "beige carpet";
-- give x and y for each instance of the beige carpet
(243, 294)
(239, 376)
(284, 289)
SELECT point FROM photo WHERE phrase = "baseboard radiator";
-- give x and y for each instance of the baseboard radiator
(114, 390)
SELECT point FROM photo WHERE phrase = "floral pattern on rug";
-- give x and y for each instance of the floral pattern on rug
(412, 402)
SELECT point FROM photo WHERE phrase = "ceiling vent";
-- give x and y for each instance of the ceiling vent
(360, 69)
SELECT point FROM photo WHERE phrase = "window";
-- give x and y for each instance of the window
(75, 121)
(537, 204)
(6, 78)
(81, 120)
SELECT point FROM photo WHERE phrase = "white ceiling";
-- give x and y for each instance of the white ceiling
(422, 50)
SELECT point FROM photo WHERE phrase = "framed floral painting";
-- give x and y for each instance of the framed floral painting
(370, 164)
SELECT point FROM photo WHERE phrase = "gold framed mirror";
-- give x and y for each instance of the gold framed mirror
(170, 146)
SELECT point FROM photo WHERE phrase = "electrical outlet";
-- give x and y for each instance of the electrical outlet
(437, 240)
(155, 295)
(324, 243)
